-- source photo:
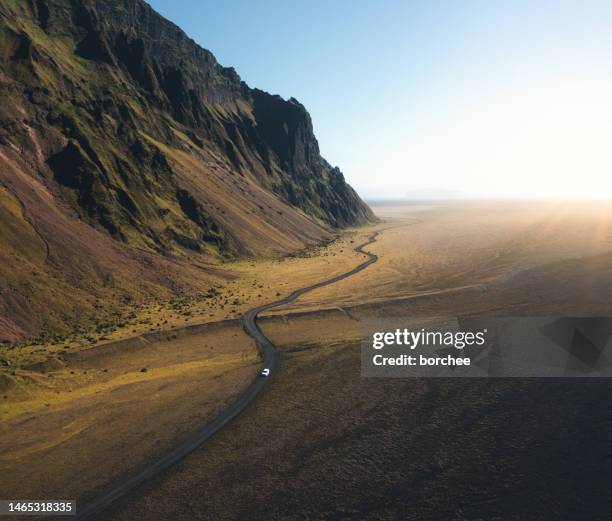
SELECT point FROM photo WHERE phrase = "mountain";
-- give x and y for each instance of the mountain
(130, 161)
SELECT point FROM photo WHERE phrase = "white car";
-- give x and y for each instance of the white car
(265, 372)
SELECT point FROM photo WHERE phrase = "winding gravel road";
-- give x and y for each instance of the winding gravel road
(270, 359)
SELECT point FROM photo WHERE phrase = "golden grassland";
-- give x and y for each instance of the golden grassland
(73, 429)
(75, 419)
(325, 443)
(76, 415)
(253, 282)
(450, 247)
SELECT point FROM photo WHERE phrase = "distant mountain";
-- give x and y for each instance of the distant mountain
(434, 194)
(128, 153)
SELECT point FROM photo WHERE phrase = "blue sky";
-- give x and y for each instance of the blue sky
(482, 98)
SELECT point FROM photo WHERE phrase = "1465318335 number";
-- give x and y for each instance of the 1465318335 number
(37, 507)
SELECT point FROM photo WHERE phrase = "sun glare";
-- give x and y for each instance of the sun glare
(540, 140)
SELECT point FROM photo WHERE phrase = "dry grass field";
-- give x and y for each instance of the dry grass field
(326, 444)
(244, 285)
(435, 249)
(70, 428)
(423, 249)
(78, 415)
(322, 442)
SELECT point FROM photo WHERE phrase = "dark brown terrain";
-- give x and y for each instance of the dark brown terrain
(321, 441)
(324, 443)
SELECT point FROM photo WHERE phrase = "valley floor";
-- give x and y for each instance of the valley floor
(323, 442)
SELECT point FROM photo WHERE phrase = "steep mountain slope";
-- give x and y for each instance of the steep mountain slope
(128, 156)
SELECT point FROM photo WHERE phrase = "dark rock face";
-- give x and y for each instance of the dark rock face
(120, 88)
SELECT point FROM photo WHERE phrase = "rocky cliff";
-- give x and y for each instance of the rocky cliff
(121, 138)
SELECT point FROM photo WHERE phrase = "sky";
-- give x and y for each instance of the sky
(433, 98)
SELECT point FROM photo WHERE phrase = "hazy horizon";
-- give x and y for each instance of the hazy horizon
(486, 99)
